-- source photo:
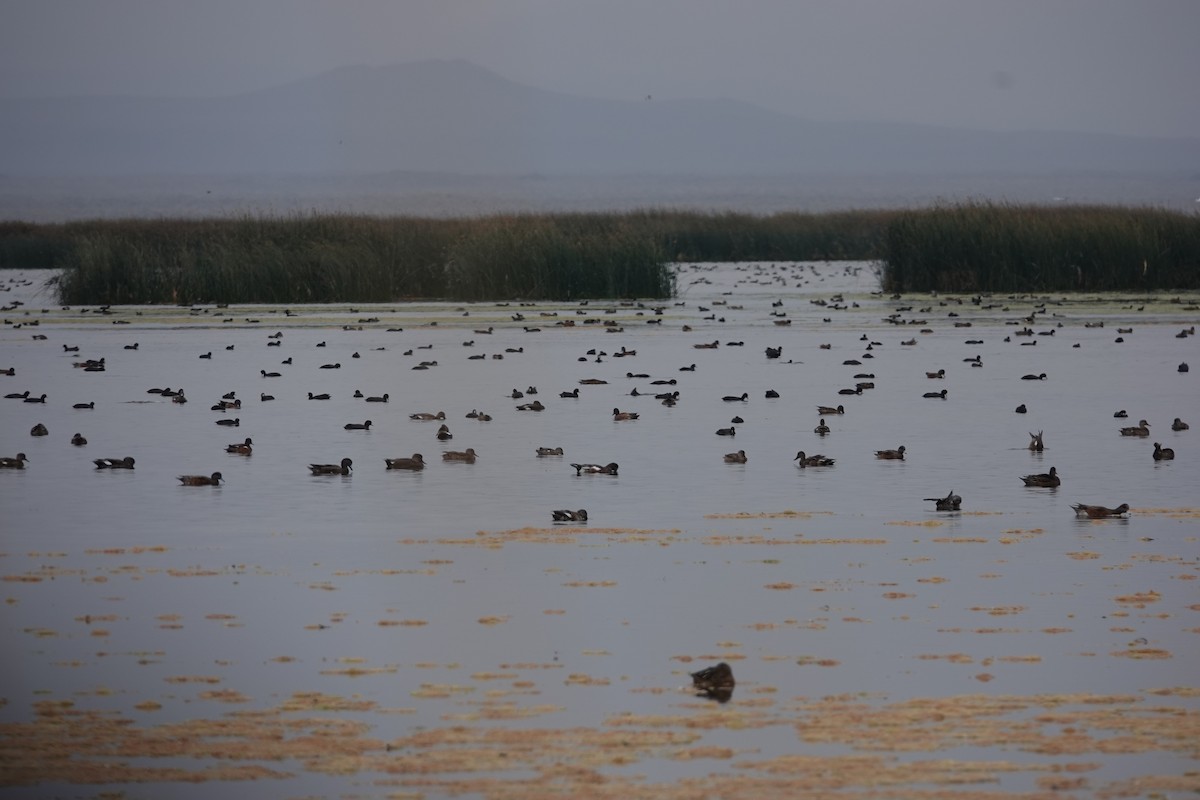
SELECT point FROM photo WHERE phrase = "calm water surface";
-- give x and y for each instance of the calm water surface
(130, 594)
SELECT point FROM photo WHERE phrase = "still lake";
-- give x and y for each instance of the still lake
(434, 633)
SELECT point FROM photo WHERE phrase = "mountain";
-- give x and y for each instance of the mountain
(455, 117)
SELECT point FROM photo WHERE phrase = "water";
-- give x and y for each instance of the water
(446, 597)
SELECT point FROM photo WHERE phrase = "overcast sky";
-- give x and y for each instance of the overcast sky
(1115, 66)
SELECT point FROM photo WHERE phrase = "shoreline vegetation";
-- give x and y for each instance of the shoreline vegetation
(350, 258)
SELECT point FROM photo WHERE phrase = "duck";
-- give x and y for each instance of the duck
(571, 395)
(17, 395)
(78, 440)
(536, 405)
(736, 458)
(822, 429)
(415, 462)
(467, 455)
(595, 469)
(39, 430)
(263, 397)
(1163, 453)
(549, 451)
(425, 416)
(713, 679)
(1021, 409)
(358, 426)
(936, 395)
(444, 434)
(1031, 377)
(41, 399)
(232, 423)
(817, 460)
(730, 431)
(1084, 511)
(241, 448)
(1035, 442)
(114, 463)
(950, 502)
(266, 374)
(16, 462)
(1046, 480)
(771, 394)
(1179, 425)
(828, 410)
(732, 399)
(1122, 414)
(201, 480)
(378, 398)
(322, 396)
(564, 515)
(897, 454)
(620, 416)
(1141, 429)
(941, 373)
(332, 469)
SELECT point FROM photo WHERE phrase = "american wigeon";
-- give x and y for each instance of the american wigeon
(897, 454)
(16, 462)
(549, 451)
(712, 678)
(733, 399)
(39, 430)
(332, 469)
(358, 426)
(416, 462)
(41, 399)
(939, 395)
(618, 415)
(378, 399)
(1021, 409)
(822, 429)
(1122, 414)
(536, 405)
(243, 448)
(802, 459)
(941, 373)
(85, 406)
(78, 440)
(321, 396)
(1179, 425)
(1083, 510)
(827, 410)
(425, 416)
(1163, 453)
(467, 455)
(201, 480)
(230, 423)
(1035, 442)
(730, 431)
(1047, 480)
(950, 502)
(1141, 429)
(1031, 377)
(114, 463)
(564, 515)
(736, 458)
(595, 469)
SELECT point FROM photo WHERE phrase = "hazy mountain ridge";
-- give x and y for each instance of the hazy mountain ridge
(455, 117)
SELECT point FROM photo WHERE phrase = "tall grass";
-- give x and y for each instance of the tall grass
(1002, 248)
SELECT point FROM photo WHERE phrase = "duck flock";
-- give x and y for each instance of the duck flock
(767, 339)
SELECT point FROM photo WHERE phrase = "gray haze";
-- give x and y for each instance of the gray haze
(1060, 65)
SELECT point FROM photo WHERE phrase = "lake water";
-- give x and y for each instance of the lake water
(433, 633)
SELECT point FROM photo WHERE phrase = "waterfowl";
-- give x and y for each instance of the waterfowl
(114, 463)
(595, 469)
(467, 455)
(712, 679)
(826, 410)
(821, 429)
(322, 396)
(39, 430)
(234, 423)
(416, 462)
(736, 458)
(1021, 409)
(774, 352)
(16, 462)
(381, 399)
(355, 426)
(950, 502)
(1141, 429)
(1179, 425)
(817, 460)
(536, 405)
(1035, 442)
(206, 355)
(266, 374)
(941, 373)
(265, 398)
(731, 399)
(201, 480)
(771, 394)
(938, 395)
(570, 516)
(85, 406)
(17, 395)
(1046, 480)
(425, 416)
(444, 434)
(332, 469)
(330, 366)
(619, 415)
(1163, 453)
(78, 440)
(41, 399)
(571, 395)
(549, 451)
(244, 448)
(1122, 414)
(897, 454)
(730, 431)
(1031, 377)
(1083, 510)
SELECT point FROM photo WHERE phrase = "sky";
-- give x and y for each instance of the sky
(1109, 66)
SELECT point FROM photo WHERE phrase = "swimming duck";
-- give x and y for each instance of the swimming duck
(17, 462)
(1179, 425)
(619, 415)
(818, 460)
(827, 410)
(732, 399)
(85, 406)
(244, 448)
(736, 458)
(1163, 453)
(564, 515)
(595, 469)
(1122, 414)
(549, 451)
(821, 429)
(78, 440)
(263, 397)
(1046, 480)
(1031, 377)
(897, 454)
(17, 395)
(1035, 442)
(425, 416)
(571, 395)
(771, 394)
(938, 395)
(39, 430)
(730, 431)
(467, 455)
(1141, 429)
(941, 373)
(201, 480)
(1083, 510)
(322, 396)
(379, 399)
(536, 405)
(444, 433)
(416, 462)
(950, 502)
(357, 426)
(1021, 409)
(332, 469)
(233, 423)
(114, 463)
(712, 679)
